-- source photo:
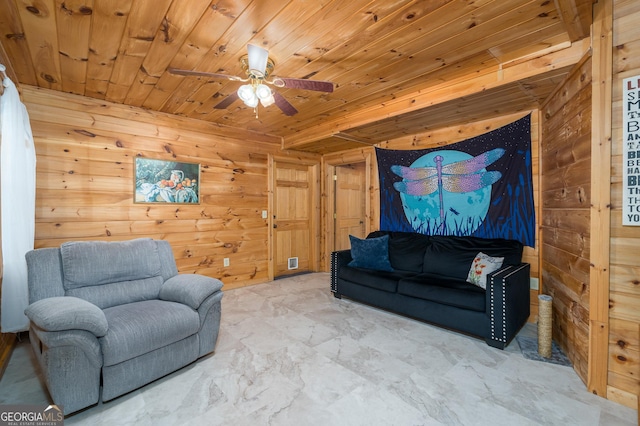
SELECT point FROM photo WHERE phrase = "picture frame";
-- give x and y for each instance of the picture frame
(166, 182)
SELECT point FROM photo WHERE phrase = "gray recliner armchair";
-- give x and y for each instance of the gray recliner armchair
(115, 314)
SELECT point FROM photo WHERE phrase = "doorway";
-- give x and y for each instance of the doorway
(350, 204)
(295, 217)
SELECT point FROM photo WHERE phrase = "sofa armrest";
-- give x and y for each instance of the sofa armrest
(189, 289)
(338, 260)
(508, 303)
(67, 313)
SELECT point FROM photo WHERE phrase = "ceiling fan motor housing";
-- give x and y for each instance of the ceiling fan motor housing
(256, 74)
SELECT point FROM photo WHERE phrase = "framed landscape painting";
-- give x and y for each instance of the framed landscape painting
(160, 181)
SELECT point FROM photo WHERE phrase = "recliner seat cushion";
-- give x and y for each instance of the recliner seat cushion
(446, 291)
(141, 327)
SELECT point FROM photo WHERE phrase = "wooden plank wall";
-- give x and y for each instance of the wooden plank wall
(624, 314)
(84, 184)
(565, 158)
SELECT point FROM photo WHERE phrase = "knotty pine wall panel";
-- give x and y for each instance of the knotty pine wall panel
(85, 181)
(623, 378)
(565, 158)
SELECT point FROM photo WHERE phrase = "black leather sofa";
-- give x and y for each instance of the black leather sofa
(429, 282)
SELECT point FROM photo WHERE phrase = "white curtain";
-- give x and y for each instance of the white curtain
(18, 188)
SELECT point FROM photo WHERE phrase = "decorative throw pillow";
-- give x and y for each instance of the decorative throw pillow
(482, 266)
(370, 253)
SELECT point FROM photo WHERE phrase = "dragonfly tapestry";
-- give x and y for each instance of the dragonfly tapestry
(481, 186)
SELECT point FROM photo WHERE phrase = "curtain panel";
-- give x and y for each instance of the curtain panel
(18, 187)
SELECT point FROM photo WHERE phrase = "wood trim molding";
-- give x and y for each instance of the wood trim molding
(602, 42)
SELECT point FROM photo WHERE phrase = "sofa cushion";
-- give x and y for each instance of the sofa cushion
(443, 261)
(482, 266)
(380, 280)
(511, 250)
(451, 256)
(370, 253)
(452, 292)
(406, 249)
(141, 327)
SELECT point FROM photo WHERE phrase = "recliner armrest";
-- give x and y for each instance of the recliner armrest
(67, 313)
(189, 289)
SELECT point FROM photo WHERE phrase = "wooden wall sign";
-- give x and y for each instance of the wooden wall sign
(159, 181)
(631, 151)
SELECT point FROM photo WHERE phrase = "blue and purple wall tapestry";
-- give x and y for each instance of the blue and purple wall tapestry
(481, 186)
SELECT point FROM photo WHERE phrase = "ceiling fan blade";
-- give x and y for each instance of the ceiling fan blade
(223, 104)
(284, 104)
(257, 58)
(177, 71)
(299, 83)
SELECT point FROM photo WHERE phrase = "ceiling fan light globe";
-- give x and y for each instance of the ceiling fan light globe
(263, 92)
(268, 101)
(252, 103)
(246, 93)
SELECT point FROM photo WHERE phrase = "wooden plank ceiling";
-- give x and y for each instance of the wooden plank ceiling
(399, 66)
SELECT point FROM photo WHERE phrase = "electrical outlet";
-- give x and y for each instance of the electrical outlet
(264, 214)
(225, 261)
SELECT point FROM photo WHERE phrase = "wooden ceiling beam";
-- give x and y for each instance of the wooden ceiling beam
(441, 93)
(352, 138)
(576, 16)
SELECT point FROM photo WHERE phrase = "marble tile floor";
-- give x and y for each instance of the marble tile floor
(289, 353)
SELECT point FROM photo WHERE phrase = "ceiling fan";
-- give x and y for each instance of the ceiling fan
(259, 67)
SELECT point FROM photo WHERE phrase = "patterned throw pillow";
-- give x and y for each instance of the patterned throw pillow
(482, 266)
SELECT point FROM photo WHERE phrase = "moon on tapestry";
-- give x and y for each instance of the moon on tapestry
(480, 186)
(447, 191)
